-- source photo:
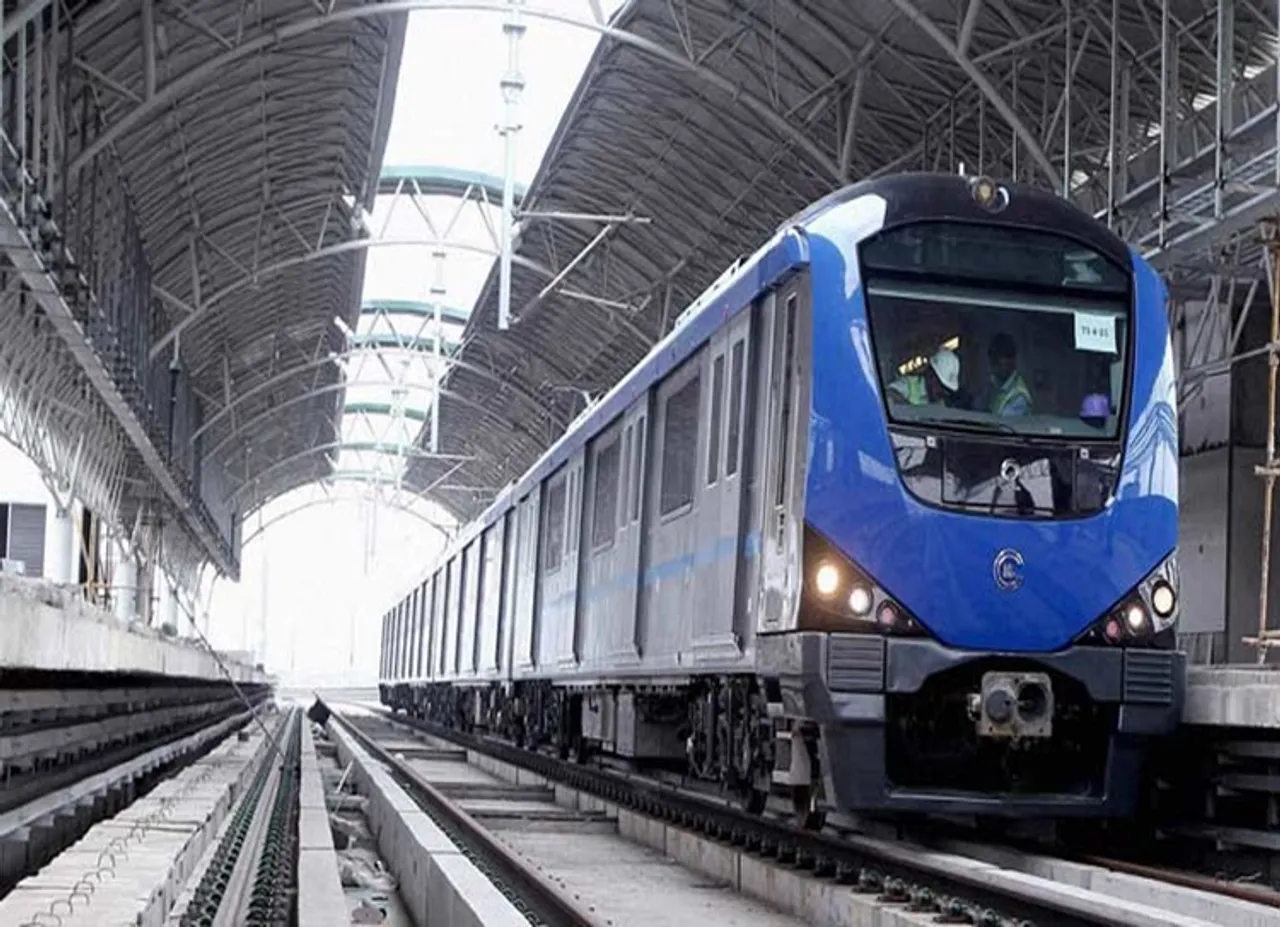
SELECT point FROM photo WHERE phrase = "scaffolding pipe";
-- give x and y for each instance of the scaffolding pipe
(512, 84)
(1270, 233)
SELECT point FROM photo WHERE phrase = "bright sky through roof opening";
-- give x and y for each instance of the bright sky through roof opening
(321, 564)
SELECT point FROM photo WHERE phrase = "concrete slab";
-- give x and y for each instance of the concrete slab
(321, 901)
(143, 868)
(49, 628)
(438, 884)
(1244, 696)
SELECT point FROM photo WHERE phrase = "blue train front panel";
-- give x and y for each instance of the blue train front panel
(989, 590)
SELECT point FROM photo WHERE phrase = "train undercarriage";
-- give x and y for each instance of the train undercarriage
(724, 731)
(799, 743)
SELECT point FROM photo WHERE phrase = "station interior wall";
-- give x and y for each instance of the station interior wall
(1223, 434)
(20, 483)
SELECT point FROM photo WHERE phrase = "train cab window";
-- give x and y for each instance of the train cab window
(987, 329)
(604, 505)
(679, 446)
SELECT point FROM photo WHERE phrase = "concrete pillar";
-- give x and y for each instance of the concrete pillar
(62, 550)
(169, 602)
(124, 585)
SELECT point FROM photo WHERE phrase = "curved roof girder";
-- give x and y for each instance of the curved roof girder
(389, 341)
(377, 447)
(311, 364)
(196, 314)
(454, 314)
(438, 180)
(385, 408)
(329, 388)
(405, 507)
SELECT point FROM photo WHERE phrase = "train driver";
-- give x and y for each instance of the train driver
(1008, 394)
(939, 382)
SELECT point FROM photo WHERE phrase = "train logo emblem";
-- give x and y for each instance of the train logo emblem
(1007, 569)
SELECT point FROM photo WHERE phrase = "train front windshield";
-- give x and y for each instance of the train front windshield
(990, 329)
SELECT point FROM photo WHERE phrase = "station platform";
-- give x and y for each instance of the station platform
(1245, 696)
(50, 629)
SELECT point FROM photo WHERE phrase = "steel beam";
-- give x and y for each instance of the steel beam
(44, 289)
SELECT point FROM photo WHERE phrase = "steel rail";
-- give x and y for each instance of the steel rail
(1256, 894)
(231, 878)
(234, 910)
(897, 872)
(541, 900)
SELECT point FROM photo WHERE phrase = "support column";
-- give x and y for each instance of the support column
(168, 602)
(60, 560)
(125, 585)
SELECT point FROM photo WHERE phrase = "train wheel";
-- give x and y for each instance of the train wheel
(754, 801)
(804, 808)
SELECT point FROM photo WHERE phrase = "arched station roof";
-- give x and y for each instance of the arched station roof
(246, 188)
(718, 119)
(204, 164)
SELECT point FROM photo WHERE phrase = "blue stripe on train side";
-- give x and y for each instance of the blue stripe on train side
(939, 564)
(719, 549)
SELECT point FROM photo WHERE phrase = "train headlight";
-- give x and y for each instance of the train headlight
(988, 194)
(1163, 599)
(1135, 619)
(860, 601)
(826, 580)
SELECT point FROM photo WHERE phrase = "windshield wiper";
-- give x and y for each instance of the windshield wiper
(973, 424)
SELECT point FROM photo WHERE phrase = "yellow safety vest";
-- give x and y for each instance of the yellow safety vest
(1016, 387)
(911, 389)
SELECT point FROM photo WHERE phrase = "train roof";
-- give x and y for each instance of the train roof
(917, 196)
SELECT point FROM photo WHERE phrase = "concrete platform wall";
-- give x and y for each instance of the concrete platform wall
(44, 627)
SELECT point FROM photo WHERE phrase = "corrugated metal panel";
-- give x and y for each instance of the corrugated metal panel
(1148, 676)
(26, 537)
(855, 663)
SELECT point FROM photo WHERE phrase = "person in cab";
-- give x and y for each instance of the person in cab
(938, 382)
(1007, 393)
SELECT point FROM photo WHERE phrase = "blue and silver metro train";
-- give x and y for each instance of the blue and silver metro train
(887, 523)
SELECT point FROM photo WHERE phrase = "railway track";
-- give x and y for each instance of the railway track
(913, 880)
(50, 739)
(249, 878)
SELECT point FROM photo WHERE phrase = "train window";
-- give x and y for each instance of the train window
(679, 446)
(717, 402)
(604, 506)
(553, 538)
(638, 468)
(735, 407)
(1042, 364)
(958, 251)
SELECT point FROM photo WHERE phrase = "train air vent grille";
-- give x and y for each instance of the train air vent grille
(855, 663)
(1148, 677)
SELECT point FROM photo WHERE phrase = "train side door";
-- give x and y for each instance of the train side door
(720, 473)
(786, 428)
(625, 628)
